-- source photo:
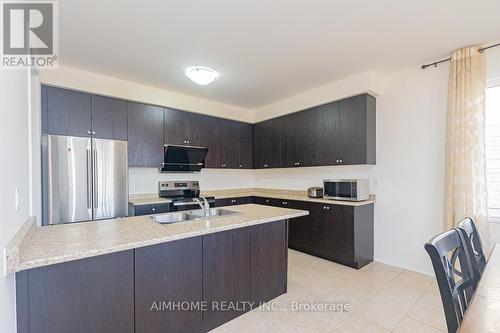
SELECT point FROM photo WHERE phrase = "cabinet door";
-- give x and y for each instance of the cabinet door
(175, 127)
(171, 273)
(109, 118)
(343, 241)
(226, 275)
(145, 135)
(245, 146)
(89, 295)
(230, 144)
(290, 141)
(327, 134)
(195, 129)
(297, 227)
(352, 130)
(307, 137)
(259, 145)
(322, 233)
(65, 112)
(268, 260)
(213, 141)
(273, 143)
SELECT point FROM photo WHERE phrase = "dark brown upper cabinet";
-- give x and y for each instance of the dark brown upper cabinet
(65, 112)
(290, 140)
(328, 143)
(109, 118)
(145, 135)
(175, 127)
(267, 144)
(230, 144)
(337, 133)
(245, 146)
(213, 141)
(185, 128)
(357, 130)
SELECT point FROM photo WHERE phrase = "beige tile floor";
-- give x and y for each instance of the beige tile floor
(382, 298)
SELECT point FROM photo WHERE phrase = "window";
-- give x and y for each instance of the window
(493, 151)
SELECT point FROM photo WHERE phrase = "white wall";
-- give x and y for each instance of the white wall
(145, 180)
(351, 86)
(14, 173)
(411, 113)
(109, 86)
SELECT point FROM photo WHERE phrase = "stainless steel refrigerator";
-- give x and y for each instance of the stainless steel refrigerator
(83, 179)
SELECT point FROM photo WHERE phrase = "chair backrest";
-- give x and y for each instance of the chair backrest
(474, 245)
(456, 280)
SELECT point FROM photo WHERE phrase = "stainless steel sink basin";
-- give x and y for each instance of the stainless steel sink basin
(214, 212)
(175, 217)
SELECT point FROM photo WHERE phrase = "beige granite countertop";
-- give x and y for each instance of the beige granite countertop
(41, 246)
(152, 198)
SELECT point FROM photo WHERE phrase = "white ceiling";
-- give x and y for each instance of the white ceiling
(265, 50)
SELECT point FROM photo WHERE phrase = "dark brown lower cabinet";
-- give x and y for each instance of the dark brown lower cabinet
(268, 261)
(226, 276)
(339, 233)
(168, 277)
(88, 295)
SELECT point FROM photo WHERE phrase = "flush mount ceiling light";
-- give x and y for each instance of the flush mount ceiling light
(201, 74)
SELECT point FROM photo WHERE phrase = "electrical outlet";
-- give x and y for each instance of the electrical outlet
(374, 183)
(132, 185)
(16, 199)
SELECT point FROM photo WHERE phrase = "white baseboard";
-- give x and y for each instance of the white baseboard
(427, 270)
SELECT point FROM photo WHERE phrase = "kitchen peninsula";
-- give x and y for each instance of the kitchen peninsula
(105, 276)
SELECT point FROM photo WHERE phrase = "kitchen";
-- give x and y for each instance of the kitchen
(263, 198)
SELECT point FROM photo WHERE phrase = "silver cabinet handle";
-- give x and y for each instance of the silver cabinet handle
(89, 179)
(184, 203)
(153, 209)
(284, 203)
(96, 180)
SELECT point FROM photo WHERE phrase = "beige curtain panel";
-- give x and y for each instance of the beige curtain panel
(465, 183)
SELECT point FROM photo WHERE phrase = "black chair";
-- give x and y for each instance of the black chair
(456, 280)
(474, 245)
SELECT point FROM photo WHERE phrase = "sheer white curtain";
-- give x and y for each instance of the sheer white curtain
(465, 183)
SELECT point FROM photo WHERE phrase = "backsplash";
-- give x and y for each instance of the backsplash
(145, 180)
(303, 178)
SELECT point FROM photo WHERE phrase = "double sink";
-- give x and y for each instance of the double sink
(198, 214)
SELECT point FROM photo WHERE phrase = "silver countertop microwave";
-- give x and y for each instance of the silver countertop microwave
(346, 189)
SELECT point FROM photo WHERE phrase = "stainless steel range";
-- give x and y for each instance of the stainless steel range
(185, 195)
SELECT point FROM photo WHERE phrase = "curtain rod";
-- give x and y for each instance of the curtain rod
(445, 60)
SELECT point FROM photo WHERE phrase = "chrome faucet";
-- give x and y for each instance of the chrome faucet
(205, 206)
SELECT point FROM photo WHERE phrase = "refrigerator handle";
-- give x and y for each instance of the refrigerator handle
(89, 179)
(96, 180)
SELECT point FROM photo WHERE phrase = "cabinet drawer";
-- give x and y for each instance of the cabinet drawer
(232, 201)
(151, 209)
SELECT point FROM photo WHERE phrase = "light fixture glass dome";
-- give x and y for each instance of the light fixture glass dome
(201, 74)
